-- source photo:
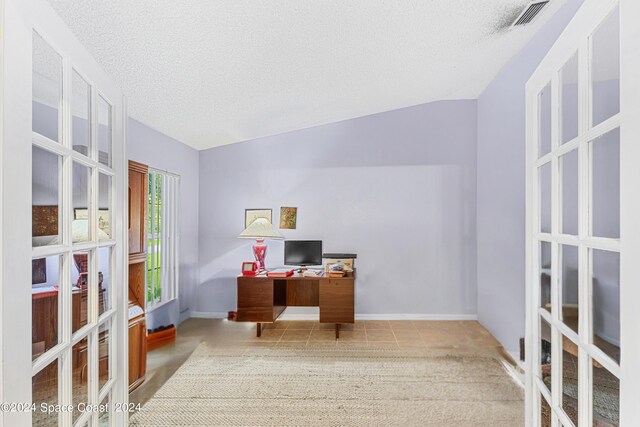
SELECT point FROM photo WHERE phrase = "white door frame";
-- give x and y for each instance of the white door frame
(630, 210)
(18, 20)
(575, 35)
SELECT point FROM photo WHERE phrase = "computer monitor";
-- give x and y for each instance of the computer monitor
(303, 252)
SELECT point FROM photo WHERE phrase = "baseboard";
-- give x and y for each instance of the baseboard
(184, 316)
(513, 366)
(516, 357)
(610, 340)
(312, 316)
(416, 317)
(209, 314)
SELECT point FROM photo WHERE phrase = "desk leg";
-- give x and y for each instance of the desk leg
(337, 330)
(259, 330)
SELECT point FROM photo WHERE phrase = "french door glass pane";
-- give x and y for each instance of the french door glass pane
(80, 375)
(45, 304)
(544, 106)
(45, 196)
(545, 197)
(47, 89)
(570, 99)
(104, 279)
(545, 275)
(44, 386)
(605, 191)
(105, 129)
(606, 302)
(80, 280)
(570, 379)
(81, 112)
(104, 207)
(81, 196)
(105, 414)
(545, 412)
(569, 164)
(104, 342)
(606, 397)
(605, 65)
(569, 281)
(545, 353)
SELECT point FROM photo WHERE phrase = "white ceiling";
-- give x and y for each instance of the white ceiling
(214, 72)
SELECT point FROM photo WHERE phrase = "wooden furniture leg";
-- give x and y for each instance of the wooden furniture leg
(337, 330)
(259, 330)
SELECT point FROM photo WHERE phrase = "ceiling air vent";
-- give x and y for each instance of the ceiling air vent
(530, 12)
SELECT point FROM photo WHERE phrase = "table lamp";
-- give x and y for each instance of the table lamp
(260, 229)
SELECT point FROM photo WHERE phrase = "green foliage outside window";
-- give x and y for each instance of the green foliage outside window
(154, 232)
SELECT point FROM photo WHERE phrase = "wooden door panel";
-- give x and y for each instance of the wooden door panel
(303, 293)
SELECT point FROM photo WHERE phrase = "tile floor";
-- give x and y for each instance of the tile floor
(163, 362)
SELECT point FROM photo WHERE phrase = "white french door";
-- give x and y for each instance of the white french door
(63, 227)
(583, 241)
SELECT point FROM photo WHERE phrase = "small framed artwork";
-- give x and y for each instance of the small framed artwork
(288, 218)
(251, 215)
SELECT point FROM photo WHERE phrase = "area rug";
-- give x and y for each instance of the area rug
(336, 387)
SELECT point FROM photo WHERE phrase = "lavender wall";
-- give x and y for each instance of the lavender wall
(159, 151)
(501, 187)
(398, 188)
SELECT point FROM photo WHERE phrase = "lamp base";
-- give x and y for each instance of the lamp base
(260, 252)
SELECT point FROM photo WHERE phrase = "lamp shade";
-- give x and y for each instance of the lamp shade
(261, 228)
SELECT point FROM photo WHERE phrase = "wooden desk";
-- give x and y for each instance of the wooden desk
(262, 299)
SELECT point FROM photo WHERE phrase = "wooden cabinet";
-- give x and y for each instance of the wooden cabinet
(337, 300)
(138, 196)
(137, 348)
(137, 272)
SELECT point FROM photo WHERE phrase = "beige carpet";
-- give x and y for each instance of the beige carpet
(274, 386)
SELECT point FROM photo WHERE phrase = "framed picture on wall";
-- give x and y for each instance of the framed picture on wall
(251, 215)
(104, 218)
(288, 218)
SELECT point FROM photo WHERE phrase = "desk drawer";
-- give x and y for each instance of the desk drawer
(255, 301)
(337, 301)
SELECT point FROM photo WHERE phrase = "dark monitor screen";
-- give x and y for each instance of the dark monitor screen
(303, 252)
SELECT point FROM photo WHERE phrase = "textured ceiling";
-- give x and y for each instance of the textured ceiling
(214, 72)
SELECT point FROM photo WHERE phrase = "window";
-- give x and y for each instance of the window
(162, 238)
